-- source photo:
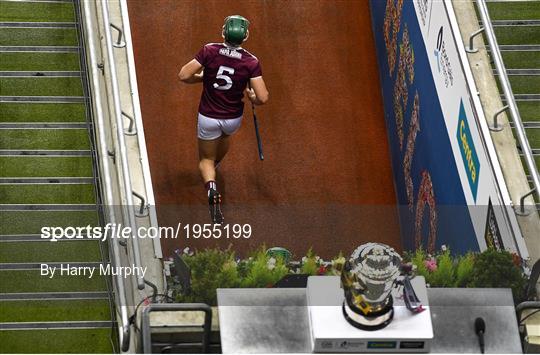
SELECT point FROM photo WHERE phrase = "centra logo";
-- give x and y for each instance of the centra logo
(468, 152)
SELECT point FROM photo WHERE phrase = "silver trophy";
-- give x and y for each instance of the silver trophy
(367, 280)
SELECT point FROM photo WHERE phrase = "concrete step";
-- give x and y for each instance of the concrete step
(52, 153)
(510, 23)
(37, 252)
(96, 340)
(37, 266)
(69, 311)
(46, 179)
(45, 11)
(48, 207)
(31, 238)
(42, 112)
(31, 222)
(521, 59)
(25, 24)
(38, 36)
(43, 166)
(40, 86)
(529, 110)
(35, 194)
(13, 281)
(44, 139)
(43, 125)
(38, 74)
(514, 10)
(518, 35)
(56, 325)
(518, 47)
(38, 61)
(43, 99)
(39, 49)
(43, 296)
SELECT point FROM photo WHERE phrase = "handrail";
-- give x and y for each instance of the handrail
(121, 145)
(141, 211)
(509, 95)
(119, 43)
(120, 294)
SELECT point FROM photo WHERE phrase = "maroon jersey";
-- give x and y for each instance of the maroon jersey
(227, 71)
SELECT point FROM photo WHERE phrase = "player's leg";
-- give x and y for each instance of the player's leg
(209, 133)
(222, 149)
(208, 152)
(228, 127)
(207, 157)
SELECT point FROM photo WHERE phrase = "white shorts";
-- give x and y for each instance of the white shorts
(213, 128)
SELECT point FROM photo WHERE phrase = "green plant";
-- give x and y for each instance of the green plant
(210, 269)
(438, 270)
(262, 270)
(418, 259)
(494, 268)
(336, 265)
(443, 275)
(215, 268)
(464, 270)
(309, 264)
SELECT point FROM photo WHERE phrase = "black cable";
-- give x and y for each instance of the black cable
(133, 318)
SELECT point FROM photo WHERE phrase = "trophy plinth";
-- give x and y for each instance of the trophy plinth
(331, 332)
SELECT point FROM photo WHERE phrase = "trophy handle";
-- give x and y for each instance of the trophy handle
(412, 301)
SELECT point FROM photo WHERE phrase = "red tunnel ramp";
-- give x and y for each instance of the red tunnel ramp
(326, 179)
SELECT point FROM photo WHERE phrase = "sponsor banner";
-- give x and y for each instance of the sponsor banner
(444, 179)
(492, 234)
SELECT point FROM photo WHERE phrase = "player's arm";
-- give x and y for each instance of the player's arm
(257, 92)
(191, 73)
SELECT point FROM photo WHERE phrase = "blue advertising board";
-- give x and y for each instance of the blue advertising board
(433, 208)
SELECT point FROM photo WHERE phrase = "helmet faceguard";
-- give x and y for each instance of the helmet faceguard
(235, 30)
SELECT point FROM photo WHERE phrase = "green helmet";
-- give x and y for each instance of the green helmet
(235, 29)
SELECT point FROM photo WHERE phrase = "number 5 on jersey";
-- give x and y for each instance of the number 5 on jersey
(220, 75)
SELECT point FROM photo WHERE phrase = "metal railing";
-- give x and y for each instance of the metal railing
(120, 144)
(119, 155)
(510, 100)
(120, 294)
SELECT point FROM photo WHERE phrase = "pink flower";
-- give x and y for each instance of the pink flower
(431, 264)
